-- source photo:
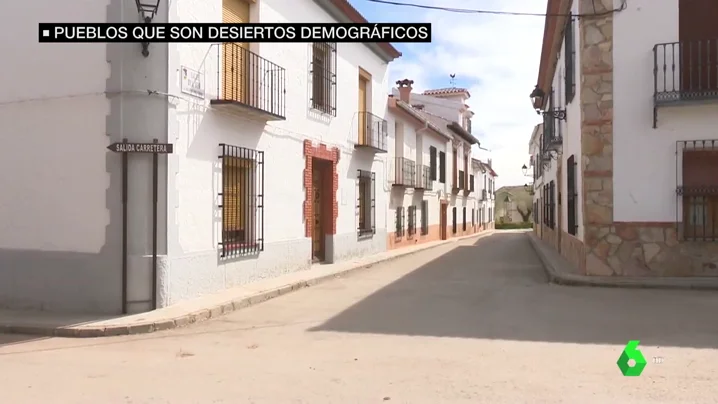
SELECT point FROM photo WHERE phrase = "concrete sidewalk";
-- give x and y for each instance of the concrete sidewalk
(562, 272)
(200, 309)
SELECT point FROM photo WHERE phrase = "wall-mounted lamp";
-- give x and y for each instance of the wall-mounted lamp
(525, 170)
(147, 10)
(537, 99)
(537, 96)
(529, 188)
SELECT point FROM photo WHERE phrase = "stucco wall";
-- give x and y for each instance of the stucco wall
(63, 104)
(194, 231)
(571, 129)
(414, 142)
(644, 158)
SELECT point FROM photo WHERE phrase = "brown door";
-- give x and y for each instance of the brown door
(442, 220)
(698, 33)
(317, 208)
(235, 56)
(363, 84)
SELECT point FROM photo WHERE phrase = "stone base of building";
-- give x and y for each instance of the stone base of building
(406, 240)
(647, 249)
(635, 249)
(574, 251)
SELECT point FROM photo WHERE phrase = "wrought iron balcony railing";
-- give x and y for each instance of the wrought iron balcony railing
(423, 179)
(373, 132)
(685, 71)
(404, 172)
(552, 139)
(249, 83)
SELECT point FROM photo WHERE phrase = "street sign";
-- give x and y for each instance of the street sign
(161, 148)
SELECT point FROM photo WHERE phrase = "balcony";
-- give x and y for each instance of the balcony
(404, 172)
(552, 139)
(685, 73)
(250, 84)
(423, 179)
(373, 132)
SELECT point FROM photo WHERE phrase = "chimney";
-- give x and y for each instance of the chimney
(405, 90)
(488, 162)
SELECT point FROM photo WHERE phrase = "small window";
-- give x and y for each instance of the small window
(424, 218)
(324, 77)
(366, 203)
(432, 162)
(242, 201)
(411, 216)
(453, 221)
(442, 167)
(399, 221)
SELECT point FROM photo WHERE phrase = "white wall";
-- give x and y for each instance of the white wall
(446, 108)
(570, 128)
(61, 105)
(198, 130)
(644, 160)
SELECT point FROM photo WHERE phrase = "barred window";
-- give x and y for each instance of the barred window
(399, 221)
(571, 196)
(552, 205)
(412, 220)
(242, 201)
(698, 191)
(366, 202)
(453, 222)
(324, 77)
(424, 218)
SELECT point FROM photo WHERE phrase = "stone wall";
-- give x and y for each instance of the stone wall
(650, 249)
(596, 97)
(574, 251)
(620, 248)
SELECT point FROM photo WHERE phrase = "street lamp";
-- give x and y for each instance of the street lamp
(525, 170)
(147, 10)
(537, 99)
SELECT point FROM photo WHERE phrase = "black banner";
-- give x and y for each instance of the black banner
(393, 32)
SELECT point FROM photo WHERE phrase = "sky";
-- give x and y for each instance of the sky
(495, 57)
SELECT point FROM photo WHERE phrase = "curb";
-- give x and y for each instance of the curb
(208, 313)
(559, 278)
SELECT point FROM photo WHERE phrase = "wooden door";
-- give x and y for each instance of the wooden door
(235, 56)
(318, 210)
(363, 84)
(698, 34)
(443, 220)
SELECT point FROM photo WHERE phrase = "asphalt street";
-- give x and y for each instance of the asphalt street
(467, 322)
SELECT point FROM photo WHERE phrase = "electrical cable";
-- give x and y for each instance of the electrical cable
(493, 12)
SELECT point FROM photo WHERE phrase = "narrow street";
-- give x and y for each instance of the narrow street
(460, 323)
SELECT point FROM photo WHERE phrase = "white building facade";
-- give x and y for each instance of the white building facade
(634, 119)
(433, 182)
(276, 159)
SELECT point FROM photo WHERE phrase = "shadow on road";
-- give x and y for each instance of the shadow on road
(14, 339)
(496, 289)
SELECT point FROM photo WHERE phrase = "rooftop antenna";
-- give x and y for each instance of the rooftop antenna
(453, 80)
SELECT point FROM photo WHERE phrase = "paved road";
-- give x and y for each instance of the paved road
(459, 323)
